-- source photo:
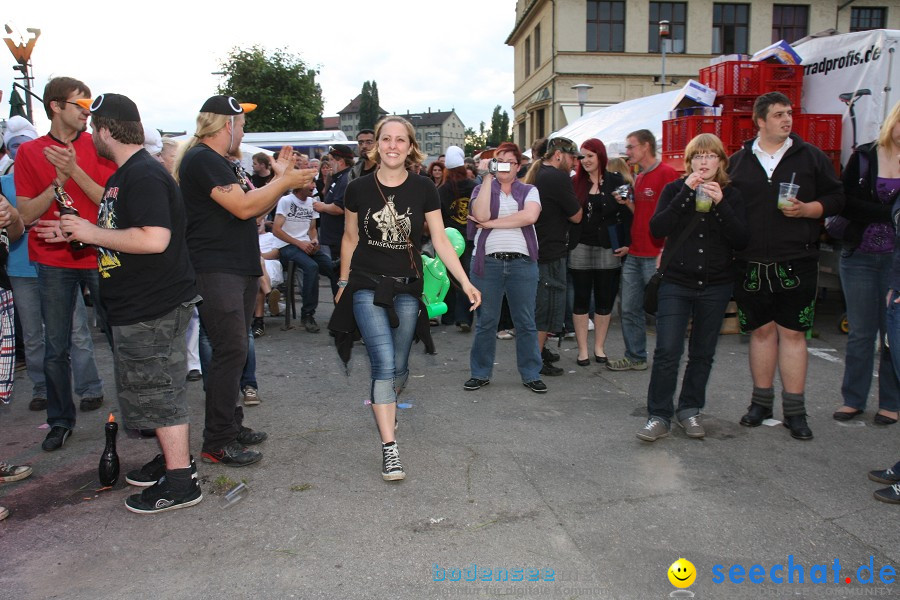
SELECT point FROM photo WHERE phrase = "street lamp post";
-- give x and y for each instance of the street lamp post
(664, 33)
(21, 51)
(582, 90)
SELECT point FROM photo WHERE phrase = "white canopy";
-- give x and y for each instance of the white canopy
(611, 124)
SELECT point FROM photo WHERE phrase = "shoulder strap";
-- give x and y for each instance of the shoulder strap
(863, 168)
(684, 235)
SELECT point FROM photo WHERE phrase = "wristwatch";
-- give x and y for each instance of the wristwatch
(342, 283)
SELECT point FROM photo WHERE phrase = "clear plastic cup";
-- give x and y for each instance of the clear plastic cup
(702, 200)
(787, 191)
(235, 495)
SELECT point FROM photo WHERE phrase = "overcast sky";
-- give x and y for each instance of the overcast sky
(161, 54)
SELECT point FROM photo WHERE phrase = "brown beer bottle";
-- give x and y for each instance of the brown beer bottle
(67, 207)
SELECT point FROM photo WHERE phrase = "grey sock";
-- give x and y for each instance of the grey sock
(794, 404)
(765, 397)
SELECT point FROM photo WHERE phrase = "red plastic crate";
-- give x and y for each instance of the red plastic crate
(732, 104)
(678, 132)
(822, 131)
(748, 78)
(739, 127)
(674, 160)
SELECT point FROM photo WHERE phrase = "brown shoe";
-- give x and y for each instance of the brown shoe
(37, 404)
(274, 307)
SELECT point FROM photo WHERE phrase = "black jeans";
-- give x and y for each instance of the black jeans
(226, 312)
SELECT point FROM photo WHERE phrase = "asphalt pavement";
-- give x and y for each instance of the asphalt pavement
(508, 494)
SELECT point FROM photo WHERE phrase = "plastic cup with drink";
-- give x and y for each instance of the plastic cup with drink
(702, 200)
(787, 192)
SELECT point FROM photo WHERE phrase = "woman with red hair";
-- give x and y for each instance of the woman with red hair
(596, 262)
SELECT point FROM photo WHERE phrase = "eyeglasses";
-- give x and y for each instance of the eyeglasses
(702, 157)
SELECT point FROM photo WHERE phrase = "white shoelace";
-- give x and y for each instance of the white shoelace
(391, 459)
(693, 421)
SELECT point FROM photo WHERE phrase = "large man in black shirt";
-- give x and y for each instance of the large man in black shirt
(147, 287)
(559, 207)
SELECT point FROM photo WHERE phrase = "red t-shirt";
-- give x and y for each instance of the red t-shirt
(647, 188)
(34, 173)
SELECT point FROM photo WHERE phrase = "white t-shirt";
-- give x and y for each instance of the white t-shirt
(298, 214)
(508, 240)
(267, 243)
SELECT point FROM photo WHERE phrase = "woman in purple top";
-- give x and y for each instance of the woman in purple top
(871, 184)
(891, 142)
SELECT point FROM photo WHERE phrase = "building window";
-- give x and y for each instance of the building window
(521, 141)
(605, 26)
(731, 24)
(537, 47)
(676, 14)
(539, 130)
(527, 56)
(864, 19)
(790, 22)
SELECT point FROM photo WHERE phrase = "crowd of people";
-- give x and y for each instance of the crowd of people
(181, 250)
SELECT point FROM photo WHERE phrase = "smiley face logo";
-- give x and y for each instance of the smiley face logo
(682, 573)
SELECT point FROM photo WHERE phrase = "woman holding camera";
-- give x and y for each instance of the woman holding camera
(596, 262)
(502, 214)
(380, 285)
(702, 219)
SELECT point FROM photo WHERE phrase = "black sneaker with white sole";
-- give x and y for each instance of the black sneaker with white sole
(159, 497)
(475, 384)
(391, 469)
(153, 471)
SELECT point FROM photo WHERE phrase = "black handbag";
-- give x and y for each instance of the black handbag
(651, 290)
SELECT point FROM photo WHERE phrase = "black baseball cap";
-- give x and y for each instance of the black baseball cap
(226, 105)
(111, 106)
(563, 144)
(341, 151)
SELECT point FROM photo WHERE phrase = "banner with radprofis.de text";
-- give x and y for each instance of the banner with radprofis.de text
(856, 75)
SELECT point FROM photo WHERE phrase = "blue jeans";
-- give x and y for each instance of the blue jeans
(59, 292)
(248, 375)
(310, 268)
(636, 272)
(677, 305)
(388, 348)
(518, 279)
(27, 297)
(864, 280)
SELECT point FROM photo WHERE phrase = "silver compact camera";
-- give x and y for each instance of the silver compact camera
(622, 191)
(498, 167)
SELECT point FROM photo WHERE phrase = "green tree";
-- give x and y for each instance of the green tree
(499, 131)
(279, 83)
(368, 106)
(475, 142)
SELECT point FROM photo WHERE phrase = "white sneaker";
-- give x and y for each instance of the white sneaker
(506, 334)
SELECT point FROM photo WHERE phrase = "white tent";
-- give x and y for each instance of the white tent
(611, 124)
(857, 71)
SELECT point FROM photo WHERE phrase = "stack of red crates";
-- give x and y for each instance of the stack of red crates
(737, 84)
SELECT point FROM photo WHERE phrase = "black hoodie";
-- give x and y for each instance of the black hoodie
(773, 236)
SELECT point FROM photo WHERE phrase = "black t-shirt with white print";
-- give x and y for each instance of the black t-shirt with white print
(136, 288)
(386, 223)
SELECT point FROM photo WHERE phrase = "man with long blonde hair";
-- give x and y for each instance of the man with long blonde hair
(224, 249)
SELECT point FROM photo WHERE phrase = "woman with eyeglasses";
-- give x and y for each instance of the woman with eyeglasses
(502, 214)
(595, 263)
(380, 285)
(702, 218)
